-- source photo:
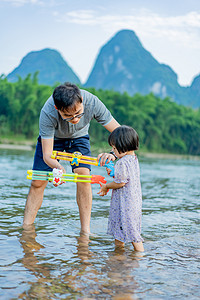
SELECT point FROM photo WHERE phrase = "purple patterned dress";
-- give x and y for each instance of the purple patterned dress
(124, 222)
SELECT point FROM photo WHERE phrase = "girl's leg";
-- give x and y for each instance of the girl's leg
(119, 244)
(138, 246)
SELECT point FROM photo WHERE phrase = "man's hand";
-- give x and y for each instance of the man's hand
(104, 157)
(57, 176)
(60, 167)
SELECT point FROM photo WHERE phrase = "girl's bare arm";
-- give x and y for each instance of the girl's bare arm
(113, 185)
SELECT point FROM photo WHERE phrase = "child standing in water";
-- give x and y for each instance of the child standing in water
(124, 222)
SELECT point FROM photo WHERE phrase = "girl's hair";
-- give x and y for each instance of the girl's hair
(66, 95)
(124, 138)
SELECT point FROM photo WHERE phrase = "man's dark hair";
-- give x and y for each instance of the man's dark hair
(124, 138)
(66, 95)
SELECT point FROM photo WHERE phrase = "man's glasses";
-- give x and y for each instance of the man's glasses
(76, 116)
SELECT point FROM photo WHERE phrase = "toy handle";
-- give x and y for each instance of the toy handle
(110, 166)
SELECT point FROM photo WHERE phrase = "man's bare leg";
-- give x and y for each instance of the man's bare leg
(84, 200)
(34, 201)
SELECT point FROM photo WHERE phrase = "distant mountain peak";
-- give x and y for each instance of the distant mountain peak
(121, 63)
(50, 64)
(124, 65)
(125, 34)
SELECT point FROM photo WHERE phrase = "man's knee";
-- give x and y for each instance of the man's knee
(38, 184)
(82, 171)
(83, 186)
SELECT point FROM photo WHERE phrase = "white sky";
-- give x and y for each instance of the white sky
(169, 29)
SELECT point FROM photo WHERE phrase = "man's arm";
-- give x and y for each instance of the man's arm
(106, 156)
(112, 125)
(47, 148)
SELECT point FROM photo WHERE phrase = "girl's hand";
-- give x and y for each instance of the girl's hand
(103, 191)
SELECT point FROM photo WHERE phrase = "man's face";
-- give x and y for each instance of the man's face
(74, 114)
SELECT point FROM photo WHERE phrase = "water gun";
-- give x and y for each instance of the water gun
(76, 158)
(57, 177)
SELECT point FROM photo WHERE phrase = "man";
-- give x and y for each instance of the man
(64, 123)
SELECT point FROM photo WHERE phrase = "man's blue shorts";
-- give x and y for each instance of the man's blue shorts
(81, 144)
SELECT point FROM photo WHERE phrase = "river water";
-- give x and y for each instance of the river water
(51, 260)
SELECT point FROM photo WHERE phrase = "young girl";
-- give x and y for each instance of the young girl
(124, 222)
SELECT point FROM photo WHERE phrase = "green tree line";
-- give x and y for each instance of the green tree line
(162, 125)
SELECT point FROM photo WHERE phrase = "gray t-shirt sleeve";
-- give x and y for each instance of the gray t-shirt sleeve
(102, 114)
(48, 121)
(46, 125)
(97, 109)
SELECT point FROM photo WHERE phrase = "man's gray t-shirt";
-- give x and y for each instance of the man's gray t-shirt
(51, 125)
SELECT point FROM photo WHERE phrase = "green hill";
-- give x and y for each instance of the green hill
(50, 64)
(125, 66)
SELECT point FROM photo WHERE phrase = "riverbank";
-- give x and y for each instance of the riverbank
(16, 147)
(30, 146)
(168, 156)
(27, 145)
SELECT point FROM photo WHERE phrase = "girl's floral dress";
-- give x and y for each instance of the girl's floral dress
(124, 222)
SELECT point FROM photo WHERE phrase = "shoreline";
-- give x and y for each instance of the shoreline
(17, 147)
(169, 156)
(31, 147)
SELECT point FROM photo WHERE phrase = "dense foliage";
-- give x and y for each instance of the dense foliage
(163, 125)
(20, 105)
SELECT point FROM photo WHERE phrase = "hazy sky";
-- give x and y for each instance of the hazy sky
(169, 29)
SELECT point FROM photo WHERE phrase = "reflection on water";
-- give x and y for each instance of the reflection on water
(52, 260)
(83, 275)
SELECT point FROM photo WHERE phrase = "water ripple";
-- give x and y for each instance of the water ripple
(51, 260)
